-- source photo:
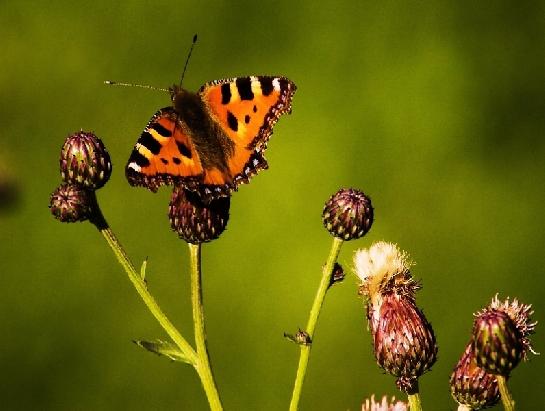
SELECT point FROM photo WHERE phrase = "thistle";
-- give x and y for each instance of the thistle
(501, 338)
(501, 335)
(472, 386)
(70, 203)
(384, 405)
(85, 161)
(348, 214)
(195, 221)
(404, 342)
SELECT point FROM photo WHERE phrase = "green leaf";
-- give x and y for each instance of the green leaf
(163, 348)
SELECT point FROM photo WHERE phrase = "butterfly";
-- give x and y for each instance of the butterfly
(213, 140)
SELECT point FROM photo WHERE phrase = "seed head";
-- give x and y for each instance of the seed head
(85, 161)
(472, 386)
(70, 203)
(195, 221)
(348, 214)
(501, 336)
(403, 340)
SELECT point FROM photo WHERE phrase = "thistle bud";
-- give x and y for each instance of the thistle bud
(384, 405)
(195, 221)
(348, 214)
(403, 340)
(70, 203)
(472, 386)
(337, 275)
(85, 161)
(501, 336)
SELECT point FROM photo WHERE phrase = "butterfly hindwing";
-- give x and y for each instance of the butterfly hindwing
(246, 109)
(163, 154)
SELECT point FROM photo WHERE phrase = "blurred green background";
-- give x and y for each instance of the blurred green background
(435, 109)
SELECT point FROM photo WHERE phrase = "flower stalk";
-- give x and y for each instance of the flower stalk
(202, 365)
(304, 356)
(141, 288)
(197, 358)
(414, 402)
(506, 398)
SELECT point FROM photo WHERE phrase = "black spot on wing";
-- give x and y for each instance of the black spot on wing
(244, 87)
(161, 130)
(232, 121)
(266, 85)
(184, 151)
(139, 159)
(176, 160)
(147, 140)
(164, 161)
(247, 119)
(255, 108)
(225, 93)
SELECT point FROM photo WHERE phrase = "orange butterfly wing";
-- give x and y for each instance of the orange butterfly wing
(246, 109)
(163, 153)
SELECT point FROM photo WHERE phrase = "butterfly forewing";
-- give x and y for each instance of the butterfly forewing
(163, 154)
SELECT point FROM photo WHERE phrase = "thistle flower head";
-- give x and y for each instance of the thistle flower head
(501, 335)
(348, 214)
(472, 386)
(85, 161)
(403, 340)
(195, 221)
(384, 268)
(384, 405)
(70, 203)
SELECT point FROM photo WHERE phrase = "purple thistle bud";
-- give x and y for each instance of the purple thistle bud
(70, 203)
(348, 214)
(403, 340)
(472, 386)
(501, 336)
(85, 161)
(195, 221)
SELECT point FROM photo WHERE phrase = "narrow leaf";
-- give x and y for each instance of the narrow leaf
(164, 348)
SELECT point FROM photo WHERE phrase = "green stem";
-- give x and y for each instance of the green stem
(506, 399)
(313, 319)
(143, 292)
(97, 218)
(414, 402)
(203, 362)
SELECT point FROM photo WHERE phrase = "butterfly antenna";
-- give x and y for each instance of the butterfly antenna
(115, 83)
(187, 59)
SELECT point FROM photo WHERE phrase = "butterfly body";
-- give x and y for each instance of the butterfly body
(211, 141)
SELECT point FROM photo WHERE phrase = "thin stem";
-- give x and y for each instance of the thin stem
(414, 402)
(506, 398)
(313, 319)
(100, 222)
(203, 362)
